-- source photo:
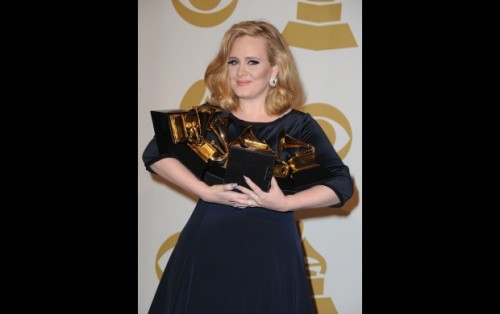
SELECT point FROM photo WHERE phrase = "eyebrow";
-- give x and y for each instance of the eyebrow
(246, 58)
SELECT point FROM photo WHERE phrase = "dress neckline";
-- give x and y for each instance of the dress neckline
(260, 123)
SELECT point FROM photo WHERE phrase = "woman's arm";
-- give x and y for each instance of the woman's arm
(318, 196)
(171, 169)
(175, 172)
(332, 192)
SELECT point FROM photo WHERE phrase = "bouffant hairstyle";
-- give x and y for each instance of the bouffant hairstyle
(288, 92)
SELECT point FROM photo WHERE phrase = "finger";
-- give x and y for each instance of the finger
(252, 185)
(274, 183)
(251, 203)
(237, 204)
(243, 189)
(249, 193)
(231, 186)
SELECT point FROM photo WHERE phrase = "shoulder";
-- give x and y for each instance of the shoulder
(299, 115)
(298, 122)
(303, 121)
(292, 113)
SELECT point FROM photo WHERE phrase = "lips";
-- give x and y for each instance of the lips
(242, 83)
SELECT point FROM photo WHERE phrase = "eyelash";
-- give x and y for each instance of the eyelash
(251, 62)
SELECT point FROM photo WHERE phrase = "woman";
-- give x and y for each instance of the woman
(240, 251)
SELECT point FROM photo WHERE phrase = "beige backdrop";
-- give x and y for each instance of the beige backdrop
(177, 39)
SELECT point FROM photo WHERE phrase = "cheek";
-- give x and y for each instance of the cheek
(264, 74)
(231, 72)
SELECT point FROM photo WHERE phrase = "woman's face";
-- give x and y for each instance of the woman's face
(249, 70)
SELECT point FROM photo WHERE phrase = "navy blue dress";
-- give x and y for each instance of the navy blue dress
(239, 261)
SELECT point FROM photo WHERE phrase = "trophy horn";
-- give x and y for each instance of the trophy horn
(204, 115)
(288, 142)
(305, 154)
(219, 127)
(248, 139)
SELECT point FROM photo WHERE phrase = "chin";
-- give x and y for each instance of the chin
(243, 95)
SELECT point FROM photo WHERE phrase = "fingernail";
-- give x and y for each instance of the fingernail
(245, 177)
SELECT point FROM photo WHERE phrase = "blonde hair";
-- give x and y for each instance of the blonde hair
(288, 92)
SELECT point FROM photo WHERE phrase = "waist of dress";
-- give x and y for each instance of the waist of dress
(257, 212)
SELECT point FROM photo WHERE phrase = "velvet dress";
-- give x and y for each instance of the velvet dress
(245, 261)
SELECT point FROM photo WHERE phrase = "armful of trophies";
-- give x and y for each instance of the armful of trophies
(183, 133)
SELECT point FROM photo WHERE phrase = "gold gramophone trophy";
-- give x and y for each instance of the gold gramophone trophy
(293, 174)
(218, 126)
(299, 171)
(182, 133)
(252, 158)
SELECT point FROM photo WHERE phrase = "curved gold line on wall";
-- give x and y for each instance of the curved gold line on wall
(204, 19)
(194, 95)
(167, 245)
(204, 5)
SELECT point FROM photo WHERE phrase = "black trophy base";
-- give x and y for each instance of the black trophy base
(163, 131)
(286, 185)
(190, 159)
(214, 175)
(255, 164)
(166, 144)
(303, 179)
(290, 185)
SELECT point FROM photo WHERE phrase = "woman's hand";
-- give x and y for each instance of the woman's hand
(225, 194)
(255, 197)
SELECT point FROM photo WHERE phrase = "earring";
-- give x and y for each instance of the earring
(272, 81)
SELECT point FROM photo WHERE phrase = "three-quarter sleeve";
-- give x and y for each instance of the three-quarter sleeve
(340, 181)
(152, 154)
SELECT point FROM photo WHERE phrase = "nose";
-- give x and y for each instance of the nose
(241, 70)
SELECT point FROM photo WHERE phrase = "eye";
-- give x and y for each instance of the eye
(232, 62)
(253, 62)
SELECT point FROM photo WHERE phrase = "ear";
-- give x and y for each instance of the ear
(275, 70)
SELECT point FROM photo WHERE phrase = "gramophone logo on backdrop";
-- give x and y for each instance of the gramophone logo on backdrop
(317, 31)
